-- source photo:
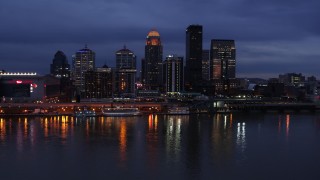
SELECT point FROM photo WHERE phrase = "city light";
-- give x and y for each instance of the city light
(17, 74)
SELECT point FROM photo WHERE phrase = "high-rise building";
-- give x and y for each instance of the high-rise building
(173, 73)
(125, 59)
(83, 61)
(152, 65)
(206, 65)
(99, 83)
(125, 73)
(223, 64)
(193, 57)
(60, 68)
(223, 57)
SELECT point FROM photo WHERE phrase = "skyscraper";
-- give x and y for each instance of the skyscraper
(83, 61)
(173, 73)
(125, 59)
(60, 66)
(223, 64)
(223, 59)
(193, 57)
(152, 64)
(125, 72)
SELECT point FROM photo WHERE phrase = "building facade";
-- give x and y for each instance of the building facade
(152, 64)
(83, 61)
(223, 65)
(193, 57)
(125, 73)
(22, 87)
(173, 73)
(125, 59)
(60, 68)
(292, 79)
(206, 65)
(99, 83)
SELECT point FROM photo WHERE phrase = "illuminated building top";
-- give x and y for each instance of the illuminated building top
(153, 33)
(153, 38)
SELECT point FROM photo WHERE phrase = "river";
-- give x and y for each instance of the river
(220, 146)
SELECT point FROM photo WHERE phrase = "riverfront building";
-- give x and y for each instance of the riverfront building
(99, 83)
(193, 77)
(83, 61)
(223, 65)
(152, 63)
(22, 87)
(60, 68)
(125, 73)
(173, 73)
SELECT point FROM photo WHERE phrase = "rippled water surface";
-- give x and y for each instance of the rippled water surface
(221, 146)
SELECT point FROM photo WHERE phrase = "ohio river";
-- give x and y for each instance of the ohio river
(220, 146)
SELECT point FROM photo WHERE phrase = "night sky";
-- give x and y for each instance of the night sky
(272, 36)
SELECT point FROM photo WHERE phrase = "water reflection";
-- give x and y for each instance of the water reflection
(285, 123)
(188, 146)
(2, 130)
(173, 138)
(123, 140)
(241, 136)
(152, 140)
(222, 138)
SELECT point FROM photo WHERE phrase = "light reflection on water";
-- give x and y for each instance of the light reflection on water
(162, 145)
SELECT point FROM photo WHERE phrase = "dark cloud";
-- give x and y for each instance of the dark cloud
(268, 32)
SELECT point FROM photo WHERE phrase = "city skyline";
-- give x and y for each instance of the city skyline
(274, 36)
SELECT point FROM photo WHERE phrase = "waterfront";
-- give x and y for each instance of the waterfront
(220, 146)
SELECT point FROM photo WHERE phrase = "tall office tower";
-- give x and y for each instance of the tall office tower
(60, 66)
(125, 73)
(83, 61)
(193, 75)
(99, 83)
(206, 65)
(173, 73)
(152, 64)
(125, 59)
(223, 64)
